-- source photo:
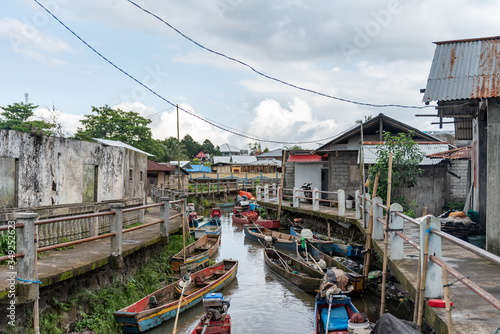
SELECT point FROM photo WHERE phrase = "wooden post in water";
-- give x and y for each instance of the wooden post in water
(386, 236)
(282, 182)
(368, 247)
(424, 275)
(447, 300)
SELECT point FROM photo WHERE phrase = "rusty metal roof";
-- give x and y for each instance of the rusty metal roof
(455, 154)
(370, 152)
(464, 69)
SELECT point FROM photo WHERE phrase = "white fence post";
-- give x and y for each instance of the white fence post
(25, 239)
(116, 240)
(341, 202)
(296, 200)
(266, 193)
(434, 280)
(165, 215)
(258, 193)
(356, 204)
(396, 242)
(315, 199)
(378, 212)
(366, 210)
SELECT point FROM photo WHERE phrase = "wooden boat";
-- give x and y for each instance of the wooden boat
(342, 310)
(216, 320)
(197, 254)
(331, 245)
(160, 306)
(358, 280)
(246, 213)
(239, 218)
(281, 240)
(293, 270)
(213, 226)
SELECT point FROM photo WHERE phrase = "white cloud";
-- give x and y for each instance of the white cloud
(27, 40)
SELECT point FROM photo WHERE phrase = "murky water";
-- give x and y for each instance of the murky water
(261, 301)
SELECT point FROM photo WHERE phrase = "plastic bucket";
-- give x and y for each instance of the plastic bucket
(477, 240)
(351, 327)
(348, 204)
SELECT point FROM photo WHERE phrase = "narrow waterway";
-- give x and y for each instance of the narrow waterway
(261, 301)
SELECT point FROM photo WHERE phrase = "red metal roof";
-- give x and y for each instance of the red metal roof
(201, 155)
(455, 154)
(307, 158)
(156, 167)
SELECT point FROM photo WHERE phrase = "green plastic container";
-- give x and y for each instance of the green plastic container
(477, 240)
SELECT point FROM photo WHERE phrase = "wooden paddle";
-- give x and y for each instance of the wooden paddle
(186, 279)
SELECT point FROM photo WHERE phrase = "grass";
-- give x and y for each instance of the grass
(95, 309)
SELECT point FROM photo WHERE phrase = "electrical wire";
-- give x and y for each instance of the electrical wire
(274, 78)
(171, 103)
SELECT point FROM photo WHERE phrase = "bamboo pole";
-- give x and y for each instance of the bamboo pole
(368, 247)
(178, 152)
(282, 182)
(417, 292)
(447, 300)
(187, 280)
(424, 275)
(36, 319)
(184, 229)
(386, 236)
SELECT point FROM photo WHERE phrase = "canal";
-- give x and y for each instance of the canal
(261, 301)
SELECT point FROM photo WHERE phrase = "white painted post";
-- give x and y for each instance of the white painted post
(396, 242)
(165, 215)
(315, 199)
(296, 200)
(258, 193)
(341, 202)
(26, 264)
(116, 240)
(266, 193)
(273, 187)
(434, 280)
(378, 212)
(356, 204)
(366, 210)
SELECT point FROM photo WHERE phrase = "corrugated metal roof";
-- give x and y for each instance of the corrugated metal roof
(266, 162)
(307, 158)
(464, 69)
(370, 152)
(155, 167)
(116, 143)
(222, 160)
(229, 148)
(243, 159)
(274, 153)
(455, 154)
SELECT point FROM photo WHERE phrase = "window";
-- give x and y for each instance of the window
(130, 175)
(140, 176)
(8, 182)
(90, 177)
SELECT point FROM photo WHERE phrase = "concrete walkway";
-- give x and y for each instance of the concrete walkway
(470, 313)
(55, 266)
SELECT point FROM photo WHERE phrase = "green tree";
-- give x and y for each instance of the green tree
(209, 148)
(170, 149)
(190, 146)
(116, 124)
(255, 148)
(406, 157)
(16, 118)
(293, 148)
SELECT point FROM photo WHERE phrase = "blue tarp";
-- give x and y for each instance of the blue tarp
(199, 169)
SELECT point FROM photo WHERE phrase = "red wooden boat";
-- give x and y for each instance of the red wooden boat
(216, 320)
(241, 218)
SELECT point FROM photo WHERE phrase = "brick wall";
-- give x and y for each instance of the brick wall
(457, 187)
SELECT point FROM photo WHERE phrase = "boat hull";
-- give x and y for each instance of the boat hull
(309, 283)
(322, 243)
(138, 317)
(197, 254)
(267, 223)
(338, 324)
(283, 240)
(222, 326)
(213, 226)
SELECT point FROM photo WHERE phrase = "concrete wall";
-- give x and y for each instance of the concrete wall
(308, 172)
(338, 172)
(458, 187)
(50, 169)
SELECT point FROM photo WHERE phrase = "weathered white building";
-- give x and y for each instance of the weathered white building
(40, 171)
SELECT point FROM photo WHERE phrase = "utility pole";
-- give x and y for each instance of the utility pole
(178, 152)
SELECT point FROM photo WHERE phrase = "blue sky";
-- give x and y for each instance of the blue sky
(377, 52)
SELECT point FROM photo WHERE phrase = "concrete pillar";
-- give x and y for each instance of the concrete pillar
(356, 204)
(165, 215)
(26, 264)
(94, 224)
(493, 175)
(296, 200)
(434, 281)
(266, 193)
(315, 199)
(378, 212)
(258, 193)
(116, 240)
(341, 202)
(396, 223)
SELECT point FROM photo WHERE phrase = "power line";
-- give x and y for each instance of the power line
(271, 77)
(171, 103)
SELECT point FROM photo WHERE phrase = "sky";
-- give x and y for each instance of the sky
(374, 52)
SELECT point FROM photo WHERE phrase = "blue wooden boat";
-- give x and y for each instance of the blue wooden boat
(281, 240)
(197, 254)
(161, 306)
(331, 245)
(213, 226)
(341, 311)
